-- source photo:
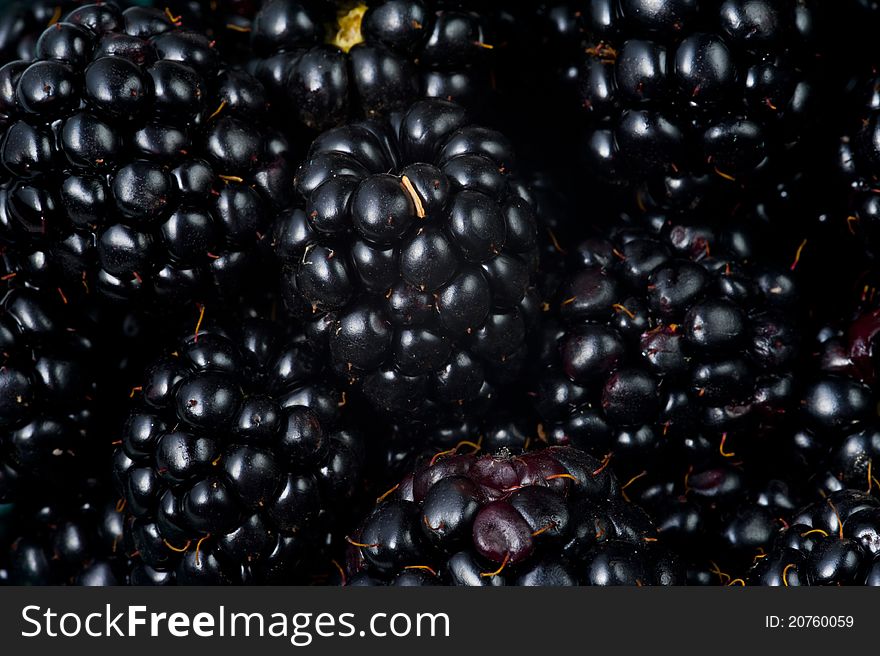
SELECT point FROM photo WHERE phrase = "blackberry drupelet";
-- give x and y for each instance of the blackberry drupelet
(690, 98)
(22, 23)
(49, 369)
(237, 463)
(330, 64)
(553, 517)
(672, 342)
(413, 258)
(835, 541)
(138, 167)
(75, 538)
(507, 423)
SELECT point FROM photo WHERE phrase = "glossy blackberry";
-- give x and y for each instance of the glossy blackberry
(329, 64)
(553, 517)
(719, 518)
(49, 369)
(839, 430)
(235, 466)
(70, 539)
(835, 541)
(22, 23)
(677, 342)
(138, 167)
(689, 99)
(413, 258)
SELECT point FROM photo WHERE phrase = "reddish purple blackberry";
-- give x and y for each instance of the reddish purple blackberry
(238, 462)
(687, 99)
(333, 63)
(138, 167)
(413, 258)
(719, 518)
(835, 541)
(553, 517)
(677, 342)
(507, 422)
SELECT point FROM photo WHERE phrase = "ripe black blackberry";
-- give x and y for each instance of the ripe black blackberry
(689, 99)
(838, 436)
(719, 518)
(72, 538)
(553, 517)
(236, 465)
(676, 341)
(835, 541)
(413, 258)
(137, 166)
(333, 63)
(49, 369)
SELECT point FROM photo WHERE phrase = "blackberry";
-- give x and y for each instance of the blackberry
(49, 370)
(507, 422)
(329, 65)
(413, 258)
(76, 538)
(839, 431)
(553, 517)
(719, 518)
(859, 162)
(689, 100)
(676, 342)
(833, 541)
(138, 167)
(238, 462)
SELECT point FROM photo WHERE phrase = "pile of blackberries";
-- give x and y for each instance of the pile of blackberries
(439, 292)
